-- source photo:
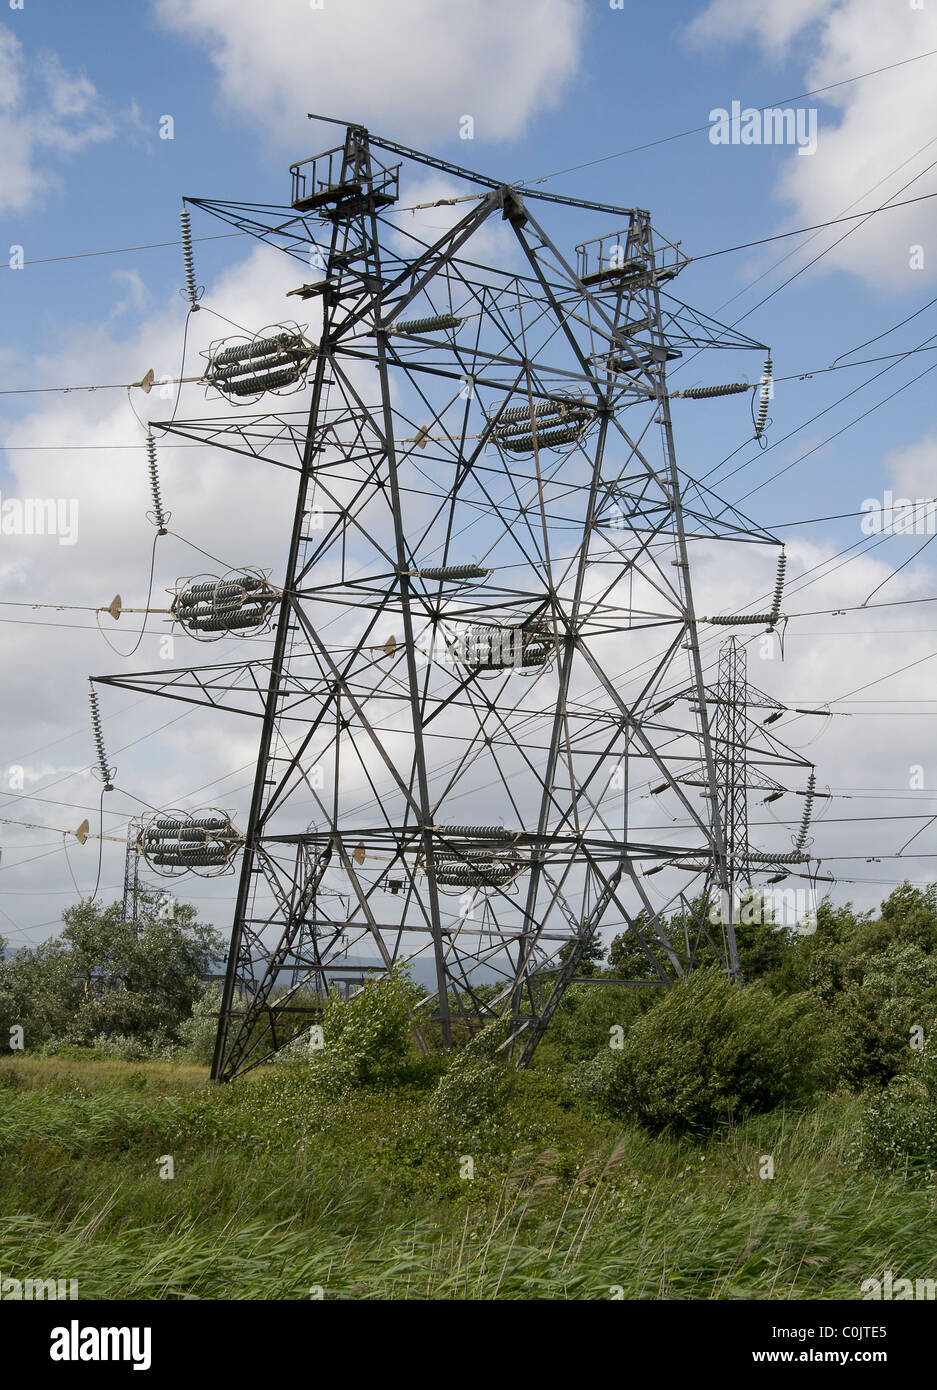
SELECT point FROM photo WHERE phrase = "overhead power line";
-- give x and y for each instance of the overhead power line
(696, 130)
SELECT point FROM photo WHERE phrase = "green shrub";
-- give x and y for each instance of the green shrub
(707, 1052)
(582, 1024)
(872, 1015)
(899, 1127)
(125, 1047)
(104, 976)
(366, 1038)
(157, 1047)
(197, 1033)
(477, 1082)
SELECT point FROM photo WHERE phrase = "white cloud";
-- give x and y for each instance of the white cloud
(45, 112)
(885, 133)
(136, 292)
(914, 468)
(410, 67)
(774, 25)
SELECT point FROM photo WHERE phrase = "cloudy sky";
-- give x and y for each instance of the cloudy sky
(110, 113)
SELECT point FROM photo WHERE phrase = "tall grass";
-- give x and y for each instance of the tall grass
(275, 1197)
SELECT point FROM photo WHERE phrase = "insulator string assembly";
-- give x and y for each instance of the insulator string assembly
(177, 842)
(105, 772)
(428, 325)
(474, 832)
(193, 291)
(778, 589)
(705, 393)
(808, 812)
(453, 572)
(158, 516)
(277, 359)
(518, 430)
(765, 393)
(771, 619)
(798, 855)
(486, 875)
(472, 864)
(208, 607)
(517, 648)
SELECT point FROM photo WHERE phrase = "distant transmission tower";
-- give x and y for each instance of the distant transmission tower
(131, 908)
(749, 759)
(484, 612)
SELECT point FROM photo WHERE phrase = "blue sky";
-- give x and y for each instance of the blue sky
(639, 77)
(550, 84)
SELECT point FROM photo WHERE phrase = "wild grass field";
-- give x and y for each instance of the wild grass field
(279, 1194)
(774, 1141)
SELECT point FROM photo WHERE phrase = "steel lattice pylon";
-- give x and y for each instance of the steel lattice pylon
(744, 751)
(731, 736)
(486, 611)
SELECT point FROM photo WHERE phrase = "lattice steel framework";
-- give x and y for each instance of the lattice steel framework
(748, 758)
(731, 737)
(485, 610)
(131, 903)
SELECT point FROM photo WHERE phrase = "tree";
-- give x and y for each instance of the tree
(626, 958)
(591, 960)
(707, 1052)
(105, 975)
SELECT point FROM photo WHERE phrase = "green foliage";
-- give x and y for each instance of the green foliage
(708, 1052)
(764, 946)
(136, 1048)
(367, 1038)
(582, 1024)
(877, 976)
(197, 1033)
(899, 1127)
(884, 996)
(477, 1082)
(104, 977)
(627, 960)
(590, 959)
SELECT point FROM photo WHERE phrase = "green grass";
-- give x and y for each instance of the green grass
(277, 1192)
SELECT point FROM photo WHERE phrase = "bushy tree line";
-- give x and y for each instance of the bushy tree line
(107, 981)
(849, 1003)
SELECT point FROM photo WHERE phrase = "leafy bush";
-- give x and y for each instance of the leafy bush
(709, 1051)
(367, 1037)
(104, 976)
(197, 1033)
(157, 1046)
(477, 1082)
(899, 1128)
(873, 1015)
(582, 1023)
